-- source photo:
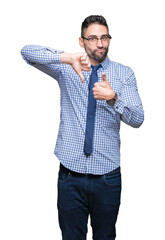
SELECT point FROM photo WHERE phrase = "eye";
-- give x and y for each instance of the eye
(92, 39)
(104, 38)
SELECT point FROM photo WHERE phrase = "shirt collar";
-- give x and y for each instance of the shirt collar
(105, 63)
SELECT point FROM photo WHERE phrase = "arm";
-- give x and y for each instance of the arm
(43, 58)
(48, 60)
(129, 104)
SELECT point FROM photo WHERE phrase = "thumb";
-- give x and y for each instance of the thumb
(82, 77)
(104, 77)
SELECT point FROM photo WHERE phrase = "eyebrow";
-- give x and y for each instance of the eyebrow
(97, 36)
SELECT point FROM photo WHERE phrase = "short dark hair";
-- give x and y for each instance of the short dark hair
(93, 19)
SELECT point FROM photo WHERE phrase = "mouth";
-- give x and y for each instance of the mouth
(100, 50)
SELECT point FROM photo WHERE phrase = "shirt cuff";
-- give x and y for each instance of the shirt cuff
(119, 105)
(56, 55)
(123, 109)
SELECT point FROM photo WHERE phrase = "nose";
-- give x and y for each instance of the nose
(99, 43)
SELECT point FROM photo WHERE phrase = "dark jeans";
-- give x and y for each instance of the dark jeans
(82, 194)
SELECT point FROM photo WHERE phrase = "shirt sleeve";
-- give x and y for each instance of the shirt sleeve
(46, 59)
(129, 104)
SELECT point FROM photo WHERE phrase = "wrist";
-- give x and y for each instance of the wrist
(112, 100)
(111, 95)
(66, 58)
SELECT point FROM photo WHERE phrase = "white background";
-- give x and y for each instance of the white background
(30, 115)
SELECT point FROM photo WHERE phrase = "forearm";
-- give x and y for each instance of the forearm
(49, 60)
(42, 55)
(129, 104)
(130, 114)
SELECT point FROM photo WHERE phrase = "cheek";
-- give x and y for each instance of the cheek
(88, 49)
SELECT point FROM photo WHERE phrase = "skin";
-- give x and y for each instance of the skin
(94, 54)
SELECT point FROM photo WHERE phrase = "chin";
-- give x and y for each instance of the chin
(100, 59)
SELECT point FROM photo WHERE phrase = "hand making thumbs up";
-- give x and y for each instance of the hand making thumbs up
(103, 90)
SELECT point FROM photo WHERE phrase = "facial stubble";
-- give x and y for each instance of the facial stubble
(97, 57)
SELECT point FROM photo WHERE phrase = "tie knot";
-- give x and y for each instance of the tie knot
(95, 68)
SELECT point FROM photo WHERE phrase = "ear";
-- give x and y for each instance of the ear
(81, 42)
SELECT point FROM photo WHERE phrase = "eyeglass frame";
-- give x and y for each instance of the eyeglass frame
(97, 38)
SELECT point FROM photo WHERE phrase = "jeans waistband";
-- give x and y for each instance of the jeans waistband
(64, 169)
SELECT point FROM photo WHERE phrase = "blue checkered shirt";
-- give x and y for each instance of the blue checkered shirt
(74, 101)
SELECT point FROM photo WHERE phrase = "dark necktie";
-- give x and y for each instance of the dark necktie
(90, 112)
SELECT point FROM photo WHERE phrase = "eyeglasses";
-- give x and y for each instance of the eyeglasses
(95, 39)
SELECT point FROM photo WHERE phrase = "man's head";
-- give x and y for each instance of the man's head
(95, 38)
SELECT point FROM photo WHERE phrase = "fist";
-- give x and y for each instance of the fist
(80, 62)
(103, 90)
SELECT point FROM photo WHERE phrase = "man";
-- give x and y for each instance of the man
(96, 94)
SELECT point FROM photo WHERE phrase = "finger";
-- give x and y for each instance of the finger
(86, 62)
(98, 87)
(96, 84)
(94, 89)
(86, 66)
(96, 96)
(100, 84)
(86, 69)
(84, 57)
